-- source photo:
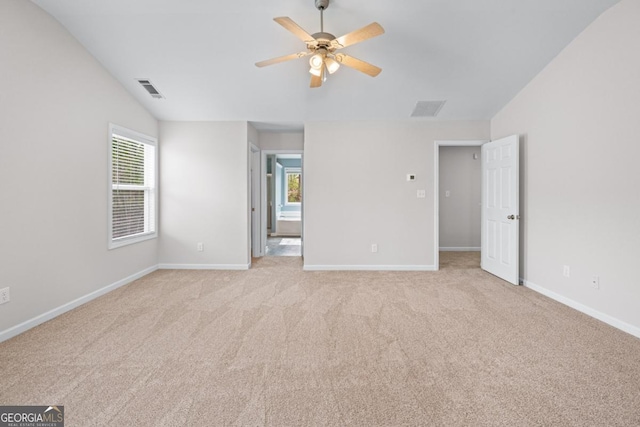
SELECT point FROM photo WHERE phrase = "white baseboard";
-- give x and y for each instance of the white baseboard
(308, 267)
(204, 266)
(33, 322)
(610, 320)
(460, 249)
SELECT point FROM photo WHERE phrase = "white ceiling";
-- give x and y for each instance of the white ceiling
(200, 54)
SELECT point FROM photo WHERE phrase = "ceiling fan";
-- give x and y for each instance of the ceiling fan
(323, 48)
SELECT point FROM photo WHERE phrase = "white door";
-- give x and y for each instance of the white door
(256, 233)
(500, 208)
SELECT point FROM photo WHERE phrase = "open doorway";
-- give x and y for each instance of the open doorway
(458, 195)
(283, 203)
(499, 210)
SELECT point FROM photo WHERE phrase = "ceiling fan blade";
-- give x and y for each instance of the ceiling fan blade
(358, 64)
(282, 59)
(294, 28)
(372, 30)
(316, 81)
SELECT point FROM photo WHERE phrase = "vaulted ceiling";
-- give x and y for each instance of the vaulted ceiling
(200, 54)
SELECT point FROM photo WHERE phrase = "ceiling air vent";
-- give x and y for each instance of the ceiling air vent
(427, 108)
(150, 88)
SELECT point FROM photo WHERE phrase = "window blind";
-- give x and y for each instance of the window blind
(133, 187)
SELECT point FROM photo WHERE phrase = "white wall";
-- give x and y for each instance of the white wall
(253, 135)
(460, 174)
(204, 198)
(356, 192)
(580, 127)
(281, 140)
(56, 102)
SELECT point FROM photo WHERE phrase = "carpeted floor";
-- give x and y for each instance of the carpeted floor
(281, 347)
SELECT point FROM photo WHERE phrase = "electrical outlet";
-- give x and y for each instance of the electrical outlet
(200, 247)
(595, 282)
(4, 295)
(374, 247)
(566, 271)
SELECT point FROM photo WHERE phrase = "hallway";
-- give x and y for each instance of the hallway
(284, 246)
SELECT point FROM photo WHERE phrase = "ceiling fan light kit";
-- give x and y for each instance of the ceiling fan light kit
(331, 64)
(322, 48)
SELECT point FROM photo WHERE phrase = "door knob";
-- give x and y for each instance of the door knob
(511, 217)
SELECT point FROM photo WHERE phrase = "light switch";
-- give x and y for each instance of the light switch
(422, 194)
(447, 193)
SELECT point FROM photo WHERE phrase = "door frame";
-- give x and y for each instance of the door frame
(263, 194)
(255, 223)
(436, 188)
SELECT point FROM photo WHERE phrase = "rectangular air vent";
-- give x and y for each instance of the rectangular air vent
(146, 83)
(427, 108)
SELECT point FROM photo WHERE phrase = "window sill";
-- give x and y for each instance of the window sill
(125, 241)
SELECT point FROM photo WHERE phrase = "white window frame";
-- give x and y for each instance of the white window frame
(151, 188)
(288, 171)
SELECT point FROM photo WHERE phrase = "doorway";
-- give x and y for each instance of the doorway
(457, 195)
(499, 229)
(460, 198)
(283, 203)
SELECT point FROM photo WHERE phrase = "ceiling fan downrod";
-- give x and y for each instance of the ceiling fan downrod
(321, 5)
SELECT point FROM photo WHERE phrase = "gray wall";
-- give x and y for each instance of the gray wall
(356, 192)
(204, 195)
(579, 127)
(459, 173)
(56, 102)
(281, 140)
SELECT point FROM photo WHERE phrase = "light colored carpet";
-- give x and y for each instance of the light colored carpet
(282, 347)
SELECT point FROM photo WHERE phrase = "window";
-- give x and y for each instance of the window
(293, 187)
(132, 193)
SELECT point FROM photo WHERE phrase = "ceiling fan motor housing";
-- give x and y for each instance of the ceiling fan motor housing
(322, 4)
(323, 39)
